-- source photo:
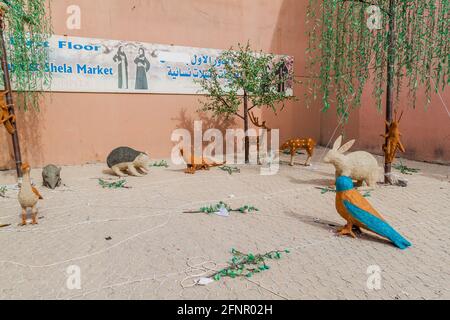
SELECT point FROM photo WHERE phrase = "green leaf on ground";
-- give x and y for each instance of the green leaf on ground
(247, 209)
(247, 264)
(161, 164)
(405, 169)
(326, 190)
(3, 190)
(230, 170)
(288, 152)
(113, 185)
(213, 208)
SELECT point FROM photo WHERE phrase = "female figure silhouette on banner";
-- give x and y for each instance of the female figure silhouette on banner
(142, 67)
(122, 60)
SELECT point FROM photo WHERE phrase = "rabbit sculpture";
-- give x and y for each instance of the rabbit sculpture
(360, 166)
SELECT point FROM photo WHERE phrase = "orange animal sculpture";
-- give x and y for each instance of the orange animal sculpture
(393, 142)
(296, 144)
(195, 163)
(6, 118)
(28, 196)
(255, 121)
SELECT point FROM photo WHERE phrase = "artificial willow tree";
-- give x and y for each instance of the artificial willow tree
(25, 28)
(247, 81)
(408, 51)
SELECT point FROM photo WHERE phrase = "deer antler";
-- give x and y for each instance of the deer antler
(401, 116)
(395, 116)
(255, 121)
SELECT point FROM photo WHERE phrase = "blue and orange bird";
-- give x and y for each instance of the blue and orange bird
(354, 208)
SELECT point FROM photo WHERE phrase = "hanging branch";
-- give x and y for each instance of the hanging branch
(342, 49)
(27, 29)
(411, 45)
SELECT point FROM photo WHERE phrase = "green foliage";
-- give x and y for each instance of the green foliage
(367, 194)
(288, 152)
(161, 164)
(405, 169)
(247, 209)
(210, 209)
(247, 265)
(246, 73)
(230, 169)
(28, 28)
(113, 185)
(215, 208)
(347, 54)
(3, 190)
(326, 190)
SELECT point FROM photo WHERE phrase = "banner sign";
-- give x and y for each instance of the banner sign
(96, 65)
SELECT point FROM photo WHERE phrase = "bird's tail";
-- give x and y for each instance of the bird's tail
(378, 226)
(397, 239)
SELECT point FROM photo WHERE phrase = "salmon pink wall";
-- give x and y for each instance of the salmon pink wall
(426, 131)
(77, 128)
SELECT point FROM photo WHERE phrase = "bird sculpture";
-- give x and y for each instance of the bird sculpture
(28, 196)
(359, 213)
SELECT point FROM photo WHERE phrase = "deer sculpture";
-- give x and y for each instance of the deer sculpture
(293, 145)
(266, 129)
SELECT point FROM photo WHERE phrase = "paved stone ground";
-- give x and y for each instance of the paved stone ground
(152, 241)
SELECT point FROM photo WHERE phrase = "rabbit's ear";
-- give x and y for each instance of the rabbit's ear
(337, 143)
(347, 146)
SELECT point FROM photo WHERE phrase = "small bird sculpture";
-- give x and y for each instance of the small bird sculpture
(358, 212)
(28, 196)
